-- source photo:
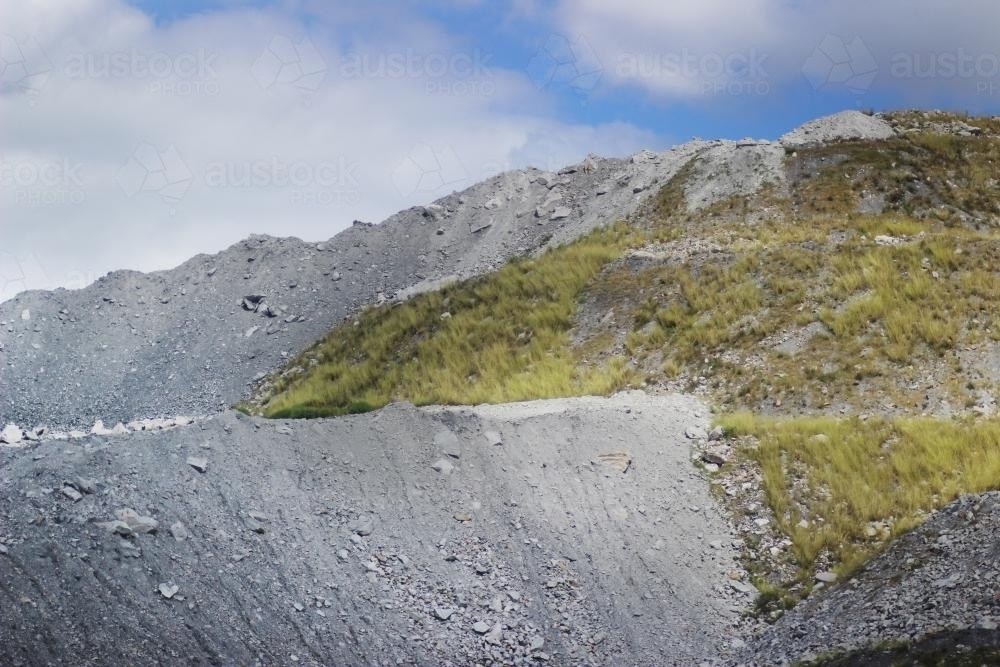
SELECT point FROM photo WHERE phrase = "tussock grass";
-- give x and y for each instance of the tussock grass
(842, 474)
(499, 338)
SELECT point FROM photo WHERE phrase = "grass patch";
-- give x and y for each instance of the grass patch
(499, 338)
(828, 479)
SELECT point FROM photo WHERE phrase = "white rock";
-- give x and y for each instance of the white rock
(442, 466)
(168, 590)
(826, 577)
(11, 435)
(199, 463)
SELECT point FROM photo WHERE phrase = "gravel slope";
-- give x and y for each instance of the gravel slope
(135, 345)
(138, 345)
(559, 553)
(942, 579)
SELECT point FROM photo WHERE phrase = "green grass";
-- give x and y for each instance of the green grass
(841, 474)
(503, 337)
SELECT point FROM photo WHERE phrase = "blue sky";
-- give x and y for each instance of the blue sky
(130, 127)
(511, 36)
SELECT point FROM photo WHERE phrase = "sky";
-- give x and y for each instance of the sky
(134, 135)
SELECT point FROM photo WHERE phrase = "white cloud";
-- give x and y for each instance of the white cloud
(682, 49)
(95, 175)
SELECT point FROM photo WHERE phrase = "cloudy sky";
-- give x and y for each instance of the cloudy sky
(136, 134)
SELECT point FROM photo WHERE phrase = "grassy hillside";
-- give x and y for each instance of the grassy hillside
(496, 339)
(866, 284)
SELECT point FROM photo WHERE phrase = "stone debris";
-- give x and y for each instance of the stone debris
(179, 531)
(362, 526)
(137, 523)
(493, 438)
(168, 591)
(199, 463)
(443, 466)
(11, 435)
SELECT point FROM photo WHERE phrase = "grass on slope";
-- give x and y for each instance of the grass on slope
(875, 311)
(499, 338)
(829, 479)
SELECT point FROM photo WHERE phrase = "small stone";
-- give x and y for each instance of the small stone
(363, 526)
(298, 606)
(493, 438)
(72, 494)
(481, 627)
(258, 516)
(482, 568)
(198, 463)
(463, 517)
(168, 590)
(695, 433)
(442, 466)
(10, 435)
(713, 459)
(495, 635)
(85, 485)
(826, 577)
(139, 524)
(254, 526)
(742, 587)
(119, 528)
(342, 555)
(443, 613)
(179, 532)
